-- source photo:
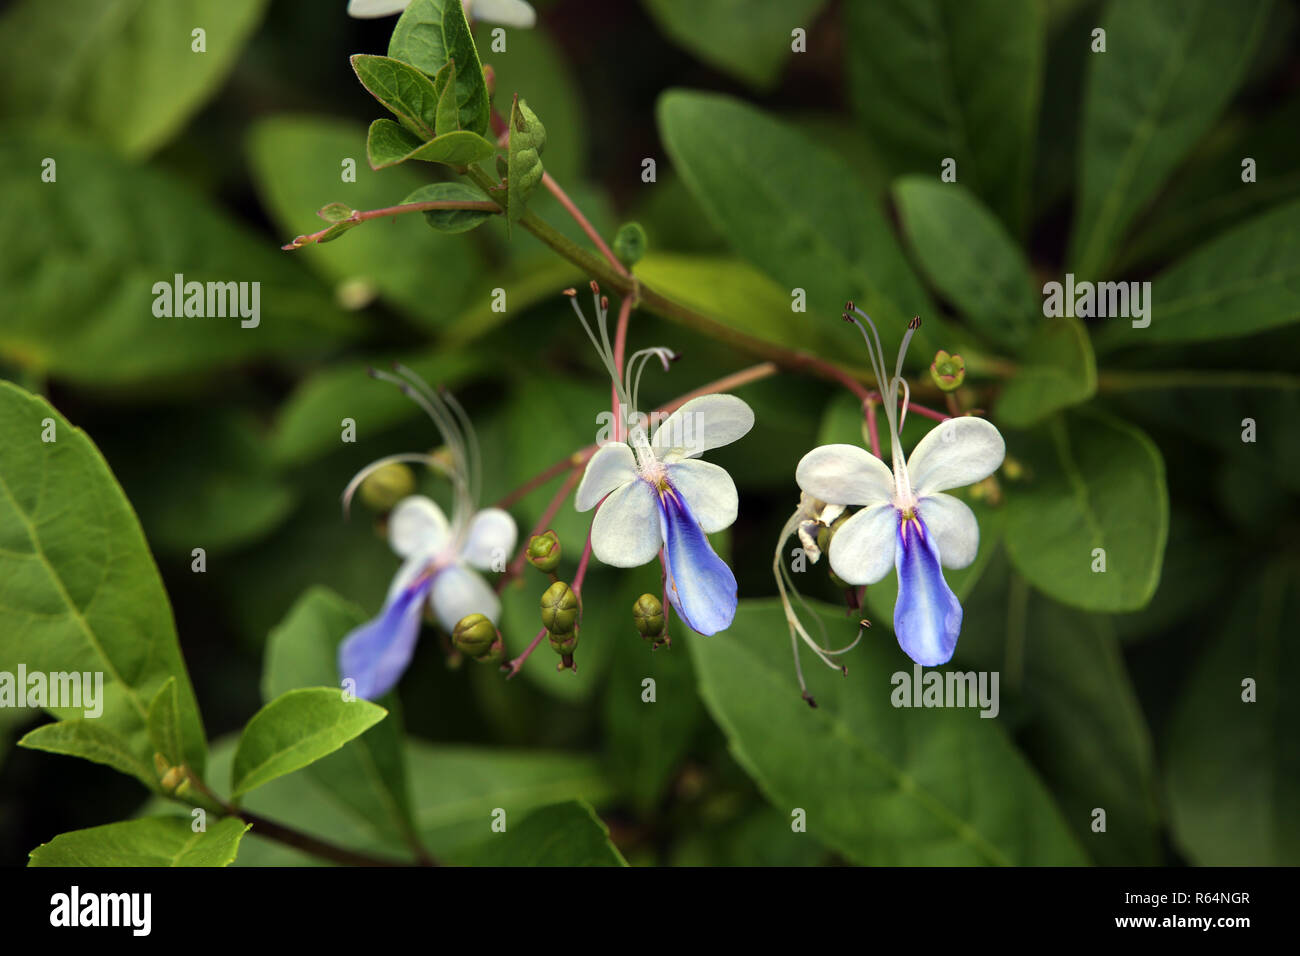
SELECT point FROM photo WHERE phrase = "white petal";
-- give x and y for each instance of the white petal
(417, 524)
(458, 592)
(491, 538)
(708, 490)
(508, 13)
(710, 421)
(862, 550)
(611, 466)
(953, 526)
(411, 569)
(625, 532)
(955, 453)
(845, 475)
(369, 9)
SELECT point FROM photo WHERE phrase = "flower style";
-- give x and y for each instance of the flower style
(655, 495)
(510, 13)
(438, 556)
(906, 521)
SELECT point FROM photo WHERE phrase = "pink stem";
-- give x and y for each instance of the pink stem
(482, 206)
(548, 516)
(581, 220)
(514, 665)
(620, 347)
(872, 430)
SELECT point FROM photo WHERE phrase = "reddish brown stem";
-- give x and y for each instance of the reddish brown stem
(548, 516)
(581, 220)
(398, 210)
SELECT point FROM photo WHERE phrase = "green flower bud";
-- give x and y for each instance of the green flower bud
(563, 644)
(648, 615)
(559, 610)
(948, 371)
(544, 551)
(386, 486)
(474, 635)
(824, 537)
(630, 243)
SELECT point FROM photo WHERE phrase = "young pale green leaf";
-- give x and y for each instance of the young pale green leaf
(524, 164)
(148, 841)
(1242, 282)
(403, 90)
(1233, 781)
(387, 144)
(391, 258)
(335, 211)
(417, 38)
(880, 783)
(83, 591)
(165, 724)
(796, 212)
(452, 220)
(295, 729)
(1081, 723)
(1169, 68)
(1058, 370)
(448, 118)
(934, 80)
(93, 297)
(90, 740)
(969, 257)
(749, 39)
(1093, 497)
(564, 834)
(368, 775)
(118, 71)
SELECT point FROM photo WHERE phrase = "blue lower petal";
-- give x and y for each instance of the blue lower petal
(700, 585)
(376, 654)
(927, 617)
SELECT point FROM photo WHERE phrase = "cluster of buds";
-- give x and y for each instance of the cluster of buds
(172, 780)
(648, 616)
(477, 637)
(560, 611)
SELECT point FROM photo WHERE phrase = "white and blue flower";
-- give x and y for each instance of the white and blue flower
(656, 497)
(906, 521)
(440, 557)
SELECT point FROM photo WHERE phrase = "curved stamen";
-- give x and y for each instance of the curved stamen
(378, 463)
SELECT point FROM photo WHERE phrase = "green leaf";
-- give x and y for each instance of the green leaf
(1242, 282)
(118, 71)
(295, 729)
(165, 725)
(565, 834)
(1233, 780)
(428, 35)
(89, 258)
(90, 740)
(387, 144)
(1059, 370)
(402, 90)
(645, 741)
(795, 211)
(148, 841)
(448, 119)
(936, 80)
(309, 422)
(452, 220)
(83, 593)
(524, 165)
(969, 257)
(471, 90)
(1169, 68)
(883, 785)
(748, 39)
(368, 774)
(1091, 482)
(1082, 723)
(417, 38)
(390, 257)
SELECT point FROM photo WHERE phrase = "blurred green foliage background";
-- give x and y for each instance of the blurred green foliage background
(1123, 695)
